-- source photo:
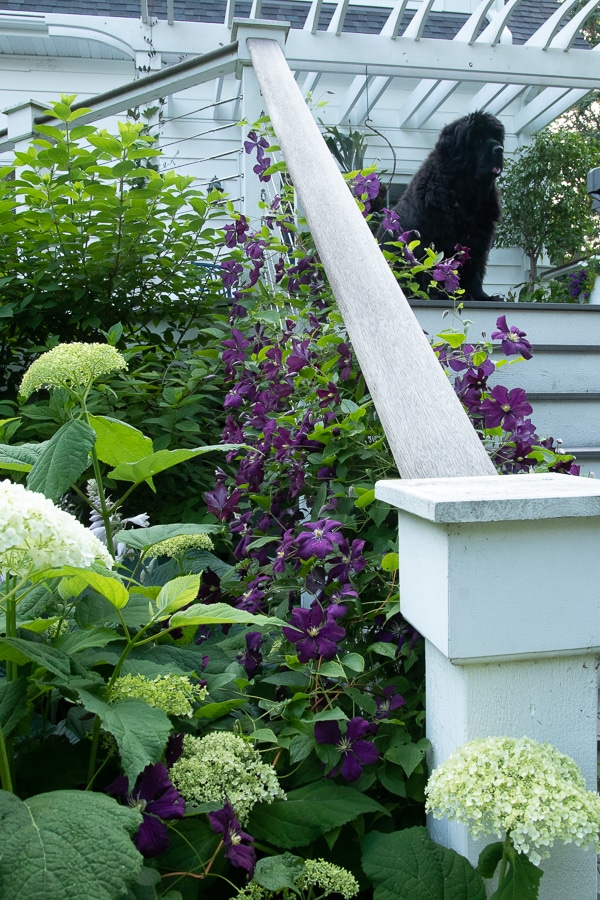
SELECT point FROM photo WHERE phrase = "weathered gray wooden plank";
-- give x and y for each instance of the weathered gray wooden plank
(427, 429)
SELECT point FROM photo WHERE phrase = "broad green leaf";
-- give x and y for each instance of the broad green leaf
(177, 593)
(407, 864)
(489, 858)
(144, 538)
(521, 881)
(160, 461)
(220, 614)
(117, 442)
(106, 585)
(13, 704)
(76, 641)
(21, 457)
(141, 731)
(22, 652)
(278, 872)
(64, 458)
(66, 845)
(454, 338)
(309, 812)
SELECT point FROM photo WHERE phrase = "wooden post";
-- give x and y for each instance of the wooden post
(500, 575)
(427, 429)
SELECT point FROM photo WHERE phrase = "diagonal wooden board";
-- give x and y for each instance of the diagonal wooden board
(427, 429)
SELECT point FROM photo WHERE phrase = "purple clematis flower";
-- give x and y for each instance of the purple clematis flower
(157, 799)
(231, 270)
(235, 233)
(390, 701)
(238, 849)
(513, 339)
(390, 221)
(355, 751)
(315, 632)
(252, 658)
(445, 273)
(319, 538)
(504, 407)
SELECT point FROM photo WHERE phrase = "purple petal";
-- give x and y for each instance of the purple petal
(152, 837)
(328, 732)
(351, 767)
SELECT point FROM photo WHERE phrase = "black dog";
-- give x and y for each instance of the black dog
(453, 198)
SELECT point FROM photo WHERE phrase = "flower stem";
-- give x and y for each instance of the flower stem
(5, 776)
(504, 861)
(104, 512)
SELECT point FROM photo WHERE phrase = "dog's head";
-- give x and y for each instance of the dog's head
(475, 144)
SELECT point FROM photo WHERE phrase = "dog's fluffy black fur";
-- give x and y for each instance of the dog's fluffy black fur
(453, 198)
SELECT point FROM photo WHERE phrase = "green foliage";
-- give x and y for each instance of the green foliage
(544, 198)
(406, 865)
(86, 243)
(65, 845)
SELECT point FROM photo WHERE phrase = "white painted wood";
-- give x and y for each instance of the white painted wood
(484, 499)
(425, 425)
(500, 575)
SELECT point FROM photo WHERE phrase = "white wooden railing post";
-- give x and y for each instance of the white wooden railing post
(501, 576)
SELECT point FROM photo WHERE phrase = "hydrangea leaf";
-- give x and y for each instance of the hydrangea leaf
(107, 586)
(13, 704)
(65, 845)
(64, 458)
(522, 879)
(117, 442)
(21, 651)
(154, 463)
(278, 872)
(309, 812)
(20, 458)
(177, 593)
(141, 731)
(407, 864)
(143, 538)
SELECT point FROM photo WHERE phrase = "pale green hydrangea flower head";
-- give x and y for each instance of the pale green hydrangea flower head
(318, 873)
(174, 694)
(176, 547)
(221, 767)
(71, 366)
(530, 791)
(331, 879)
(35, 535)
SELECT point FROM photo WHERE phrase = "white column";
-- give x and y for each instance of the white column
(502, 578)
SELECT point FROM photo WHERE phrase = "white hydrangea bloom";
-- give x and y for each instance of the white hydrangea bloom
(530, 791)
(35, 535)
(222, 767)
(71, 365)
